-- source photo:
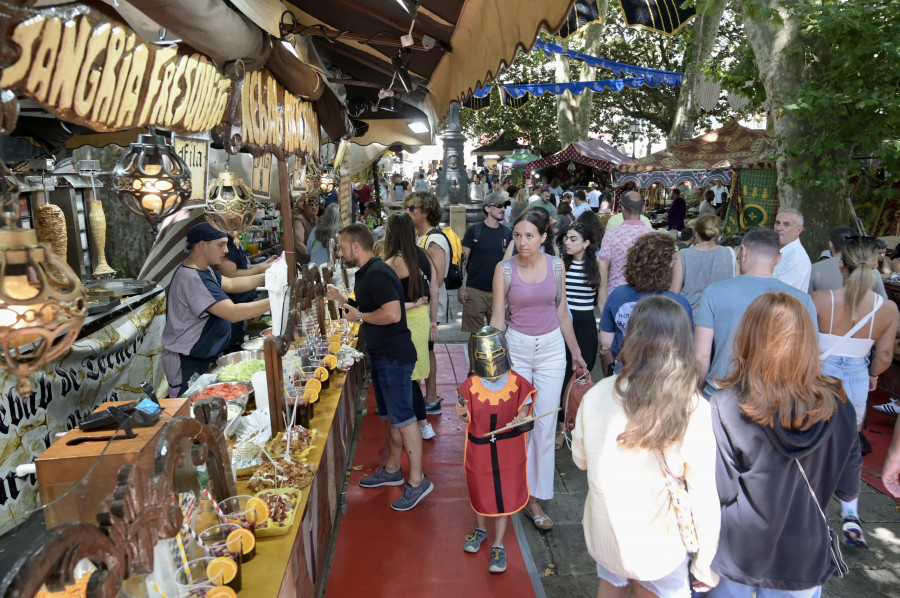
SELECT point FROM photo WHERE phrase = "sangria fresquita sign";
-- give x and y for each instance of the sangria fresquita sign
(89, 69)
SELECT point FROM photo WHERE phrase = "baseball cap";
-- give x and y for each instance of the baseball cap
(568, 194)
(495, 199)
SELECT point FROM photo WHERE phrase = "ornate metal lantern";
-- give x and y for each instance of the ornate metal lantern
(151, 179)
(328, 179)
(42, 302)
(230, 206)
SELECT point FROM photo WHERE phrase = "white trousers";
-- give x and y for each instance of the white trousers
(542, 361)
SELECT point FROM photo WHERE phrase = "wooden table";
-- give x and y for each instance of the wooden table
(291, 565)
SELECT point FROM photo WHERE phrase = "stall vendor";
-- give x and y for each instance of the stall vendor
(237, 265)
(199, 312)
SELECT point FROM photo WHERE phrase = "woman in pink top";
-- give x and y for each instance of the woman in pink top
(539, 331)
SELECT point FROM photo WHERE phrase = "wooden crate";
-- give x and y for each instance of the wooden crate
(93, 467)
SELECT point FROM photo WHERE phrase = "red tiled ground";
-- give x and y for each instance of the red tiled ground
(381, 552)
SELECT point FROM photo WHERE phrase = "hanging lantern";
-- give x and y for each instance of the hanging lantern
(151, 179)
(571, 167)
(313, 175)
(230, 206)
(42, 302)
(329, 178)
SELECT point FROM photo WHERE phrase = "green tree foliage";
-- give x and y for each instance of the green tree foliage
(612, 112)
(861, 84)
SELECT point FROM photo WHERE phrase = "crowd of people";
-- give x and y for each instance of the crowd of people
(738, 371)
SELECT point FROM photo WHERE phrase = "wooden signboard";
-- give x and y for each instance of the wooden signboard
(195, 153)
(88, 68)
(262, 117)
(262, 175)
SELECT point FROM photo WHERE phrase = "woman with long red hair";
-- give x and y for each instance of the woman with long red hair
(787, 443)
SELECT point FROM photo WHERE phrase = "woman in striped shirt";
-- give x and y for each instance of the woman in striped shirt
(582, 281)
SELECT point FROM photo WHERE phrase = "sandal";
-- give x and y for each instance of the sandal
(541, 522)
(560, 440)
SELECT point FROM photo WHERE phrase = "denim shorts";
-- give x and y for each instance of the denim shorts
(853, 372)
(393, 391)
(676, 584)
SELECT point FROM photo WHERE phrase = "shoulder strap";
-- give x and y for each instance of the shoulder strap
(812, 492)
(878, 301)
(507, 280)
(558, 273)
(831, 325)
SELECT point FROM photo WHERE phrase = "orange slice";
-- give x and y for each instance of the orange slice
(221, 570)
(241, 540)
(330, 361)
(314, 384)
(321, 374)
(221, 592)
(261, 507)
(334, 347)
(310, 396)
(334, 338)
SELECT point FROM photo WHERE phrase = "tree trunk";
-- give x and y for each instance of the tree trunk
(573, 113)
(783, 70)
(687, 111)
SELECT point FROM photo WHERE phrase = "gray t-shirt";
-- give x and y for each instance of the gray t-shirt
(721, 308)
(826, 276)
(702, 268)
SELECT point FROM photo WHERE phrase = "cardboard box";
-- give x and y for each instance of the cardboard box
(77, 476)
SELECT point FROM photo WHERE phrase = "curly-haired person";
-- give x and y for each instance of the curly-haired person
(648, 271)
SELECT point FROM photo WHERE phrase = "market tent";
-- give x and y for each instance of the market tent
(518, 159)
(593, 152)
(499, 147)
(457, 46)
(728, 148)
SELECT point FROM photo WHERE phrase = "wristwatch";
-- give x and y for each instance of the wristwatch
(359, 317)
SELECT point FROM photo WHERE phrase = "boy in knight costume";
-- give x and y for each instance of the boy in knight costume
(492, 398)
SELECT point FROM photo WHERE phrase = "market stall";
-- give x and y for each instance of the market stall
(581, 163)
(131, 483)
(743, 159)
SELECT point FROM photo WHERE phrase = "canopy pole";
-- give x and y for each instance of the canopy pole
(287, 220)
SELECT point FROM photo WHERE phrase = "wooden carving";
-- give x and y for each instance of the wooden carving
(88, 67)
(142, 513)
(262, 117)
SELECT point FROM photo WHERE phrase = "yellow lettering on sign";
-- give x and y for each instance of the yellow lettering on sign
(122, 77)
(114, 50)
(75, 37)
(131, 93)
(161, 58)
(86, 88)
(25, 35)
(178, 96)
(44, 60)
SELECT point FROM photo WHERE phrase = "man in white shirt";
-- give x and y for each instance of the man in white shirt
(593, 198)
(580, 206)
(795, 267)
(718, 189)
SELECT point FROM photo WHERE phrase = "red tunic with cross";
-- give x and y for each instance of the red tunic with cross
(495, 469)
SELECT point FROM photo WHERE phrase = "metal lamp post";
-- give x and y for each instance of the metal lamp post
(635, 128)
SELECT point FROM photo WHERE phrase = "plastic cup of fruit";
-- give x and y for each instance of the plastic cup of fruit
(215, 544)
(237, 511)
(191, 578)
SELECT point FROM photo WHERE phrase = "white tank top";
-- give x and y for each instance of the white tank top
(846, 345)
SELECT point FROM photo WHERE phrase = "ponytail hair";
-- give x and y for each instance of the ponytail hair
(860, 257)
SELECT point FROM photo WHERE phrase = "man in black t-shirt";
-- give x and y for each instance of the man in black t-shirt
(379, 310)
(483, 247)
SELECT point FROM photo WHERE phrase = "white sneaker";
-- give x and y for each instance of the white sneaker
(427, 432)
(891, 408)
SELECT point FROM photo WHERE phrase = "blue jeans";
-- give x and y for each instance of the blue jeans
(393, 390)
(728, 588)
(853, 372)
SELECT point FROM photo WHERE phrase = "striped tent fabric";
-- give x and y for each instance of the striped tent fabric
(661, 16)
(167, 251)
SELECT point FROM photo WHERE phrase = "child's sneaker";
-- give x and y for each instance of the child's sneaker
(474, 540)
(498, 559)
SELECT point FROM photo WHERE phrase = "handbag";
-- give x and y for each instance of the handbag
(575, 391)
(681, 504)
(837, 557)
